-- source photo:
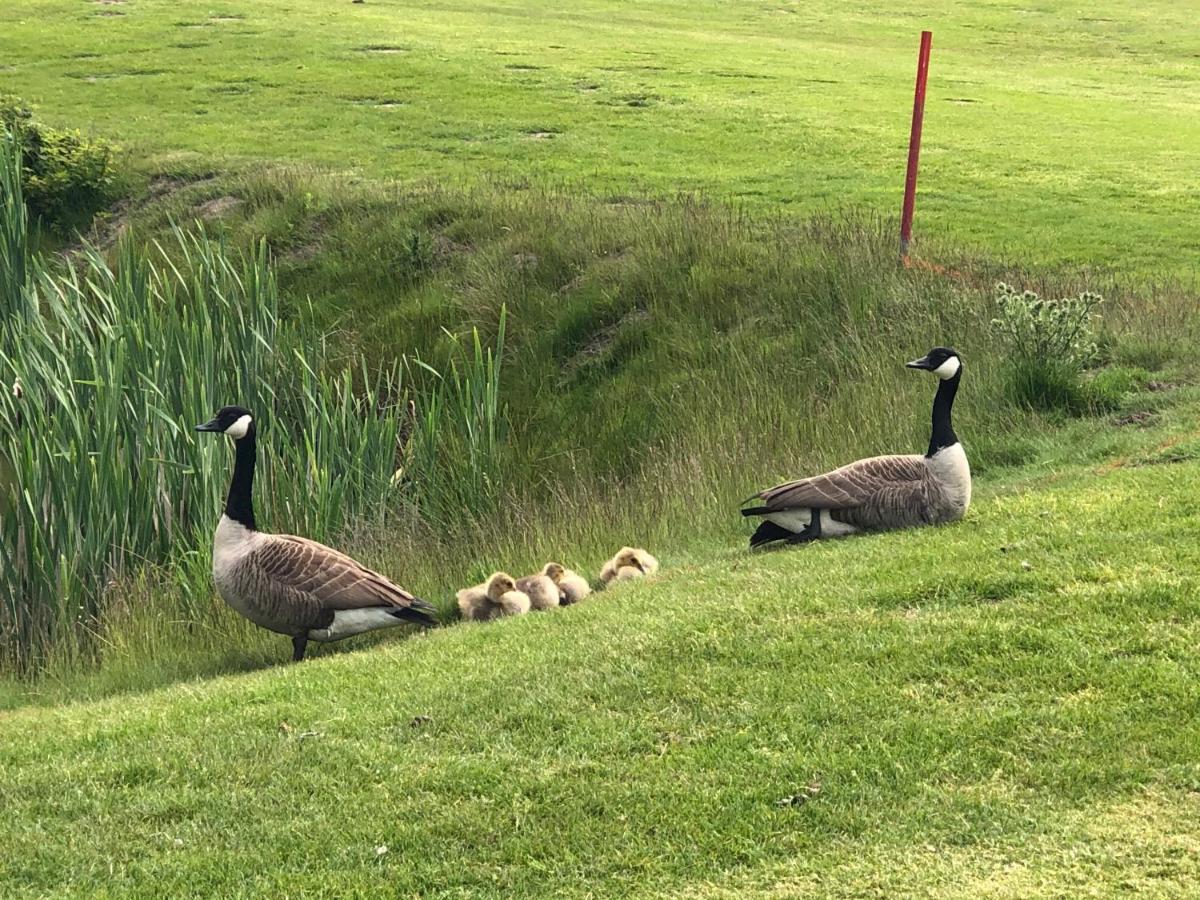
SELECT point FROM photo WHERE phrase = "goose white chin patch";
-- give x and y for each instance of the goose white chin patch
(238, 429)
(948, 369)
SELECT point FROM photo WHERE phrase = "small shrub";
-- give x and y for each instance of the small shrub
(67, 177)
(1048, 343)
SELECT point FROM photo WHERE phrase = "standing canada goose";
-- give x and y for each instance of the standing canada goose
(574, 587)
(292, 585)
(882, 492)
(542, 592)
(495, 598)
(630, 562)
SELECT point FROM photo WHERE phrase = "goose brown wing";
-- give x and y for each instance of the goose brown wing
(850, 486)
(332, 579)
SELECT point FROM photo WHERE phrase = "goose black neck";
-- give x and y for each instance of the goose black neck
(943, 434)
(239, 505)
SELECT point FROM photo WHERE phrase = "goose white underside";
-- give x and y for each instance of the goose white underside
(349, 622)
(797, 520)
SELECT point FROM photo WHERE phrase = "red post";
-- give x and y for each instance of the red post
(914, 145)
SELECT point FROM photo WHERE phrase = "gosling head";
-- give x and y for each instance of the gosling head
(17, 391)
(941, 361)
(554, 572)
(500, 584)
(235, 421)
(627, 556)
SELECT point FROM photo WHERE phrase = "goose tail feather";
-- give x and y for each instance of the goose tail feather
(769, 532)
(419, 613)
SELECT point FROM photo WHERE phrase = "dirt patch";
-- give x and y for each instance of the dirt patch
(218, 207)
(541, 135)
(226, 18)
(302, 254)
(383, 48)
(377, 102)
(1142, 419)
(1156, 386)
(603, 338)
(444, 248)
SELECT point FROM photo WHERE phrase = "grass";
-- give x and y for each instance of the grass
(1002, 707)
(1056, 134)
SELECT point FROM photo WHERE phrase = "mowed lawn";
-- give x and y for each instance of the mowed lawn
(1003, 707)
(1056, 132)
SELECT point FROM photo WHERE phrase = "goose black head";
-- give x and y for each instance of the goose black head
(941, 361)
(235, 421)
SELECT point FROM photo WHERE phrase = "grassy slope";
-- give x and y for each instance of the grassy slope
(1004, 706)
(1056, 133)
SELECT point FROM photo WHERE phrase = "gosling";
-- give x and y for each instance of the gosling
(629, 563)
(572, 586)
(543, 593)
(494, 599)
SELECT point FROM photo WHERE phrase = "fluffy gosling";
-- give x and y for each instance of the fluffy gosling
(474, 605)
(495, 598)
(543, 593)
(502, 591)
(573, 587)
(630, 562)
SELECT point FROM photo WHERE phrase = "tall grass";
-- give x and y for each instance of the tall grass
(453, 462)
(102, 475)
(661, 360)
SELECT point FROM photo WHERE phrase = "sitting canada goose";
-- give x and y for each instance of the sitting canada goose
(495, 598)
(574, 587)
(542, 592)
(882, 492)
(630, 562)
(292, 585)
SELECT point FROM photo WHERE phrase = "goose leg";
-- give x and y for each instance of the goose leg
(811, 531)
(299, 643)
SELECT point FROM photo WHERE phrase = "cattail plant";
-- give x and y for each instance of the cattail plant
(99, 472)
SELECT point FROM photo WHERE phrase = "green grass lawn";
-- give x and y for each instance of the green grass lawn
(1055, 133)
(1003, 707)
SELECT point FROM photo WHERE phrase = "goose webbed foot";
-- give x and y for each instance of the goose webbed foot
(811, 531)
(299, 645)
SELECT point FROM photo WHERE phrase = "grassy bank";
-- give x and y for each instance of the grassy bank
(1003, 707)
(661, 361)
(1057, 134)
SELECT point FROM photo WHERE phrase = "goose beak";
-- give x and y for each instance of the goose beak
(641, 568)
(210, 425)
(922, 363)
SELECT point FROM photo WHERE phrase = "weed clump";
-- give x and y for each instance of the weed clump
(1049, 344)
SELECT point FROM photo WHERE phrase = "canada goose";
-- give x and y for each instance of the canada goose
(574, 587)
(542, 592)
(629, 562)
(292, 585)
(495, 598)
(882, 492)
